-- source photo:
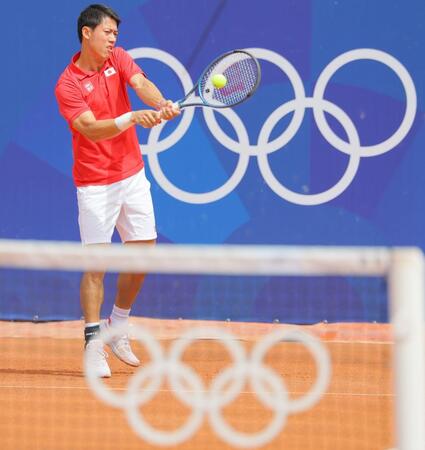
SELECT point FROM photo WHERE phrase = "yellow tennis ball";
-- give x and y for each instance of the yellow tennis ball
(219, 80)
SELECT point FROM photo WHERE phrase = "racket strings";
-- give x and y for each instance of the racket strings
(242, 74)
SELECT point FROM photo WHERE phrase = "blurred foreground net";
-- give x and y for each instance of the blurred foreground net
(241, 347)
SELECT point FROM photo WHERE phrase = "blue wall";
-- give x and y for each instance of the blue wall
(298, 200)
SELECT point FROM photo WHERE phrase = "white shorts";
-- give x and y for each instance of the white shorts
(126, 204)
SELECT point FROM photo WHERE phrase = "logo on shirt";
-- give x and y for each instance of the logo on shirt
(89, 87)
(109, 72)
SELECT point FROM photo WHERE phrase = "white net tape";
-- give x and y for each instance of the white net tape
(217, 259)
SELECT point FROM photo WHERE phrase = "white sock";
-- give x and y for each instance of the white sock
(119, 316)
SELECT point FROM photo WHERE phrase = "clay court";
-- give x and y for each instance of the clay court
(46, 404)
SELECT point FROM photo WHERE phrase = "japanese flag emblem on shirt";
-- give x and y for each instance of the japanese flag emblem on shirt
(109, 72)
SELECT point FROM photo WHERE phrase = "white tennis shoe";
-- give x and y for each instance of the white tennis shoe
(96, 358)
(120, 346)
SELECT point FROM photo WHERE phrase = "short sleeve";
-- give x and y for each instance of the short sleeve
(126, 65)
(70, 100)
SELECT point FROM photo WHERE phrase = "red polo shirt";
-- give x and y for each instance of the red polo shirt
(104, 92)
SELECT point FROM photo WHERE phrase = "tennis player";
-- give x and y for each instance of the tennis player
(112, 189)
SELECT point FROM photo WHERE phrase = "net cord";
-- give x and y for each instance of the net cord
(197, 259)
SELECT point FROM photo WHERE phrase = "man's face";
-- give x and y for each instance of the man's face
(103, 38)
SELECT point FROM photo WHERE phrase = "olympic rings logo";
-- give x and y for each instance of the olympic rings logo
(245, 149)
(189, 388)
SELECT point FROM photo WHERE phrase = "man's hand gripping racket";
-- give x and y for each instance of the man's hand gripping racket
(229, 80)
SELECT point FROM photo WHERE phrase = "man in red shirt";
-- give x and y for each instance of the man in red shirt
(108, 170)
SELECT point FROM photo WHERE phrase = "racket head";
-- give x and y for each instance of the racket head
(243, 73)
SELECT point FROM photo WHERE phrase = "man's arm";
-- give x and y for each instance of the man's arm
(99, 130)
(151, 96)
(147, 91)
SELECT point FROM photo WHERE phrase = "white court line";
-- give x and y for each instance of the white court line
(359, 342)
(83, 388)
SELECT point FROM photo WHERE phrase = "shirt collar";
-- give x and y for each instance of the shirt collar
(80, 73)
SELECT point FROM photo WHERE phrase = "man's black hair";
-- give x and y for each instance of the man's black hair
(93, 15)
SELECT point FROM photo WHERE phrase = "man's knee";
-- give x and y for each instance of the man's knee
(93, 278)
(132, 279)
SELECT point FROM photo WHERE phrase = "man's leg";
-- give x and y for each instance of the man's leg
(98, 211)
(128, 287)
(91, 297)
(129, 284)
(136, 226)
(91, 300)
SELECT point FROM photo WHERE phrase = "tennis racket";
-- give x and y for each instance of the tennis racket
(243, 73)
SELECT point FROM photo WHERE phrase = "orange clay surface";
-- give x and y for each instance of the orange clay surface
(46, 404)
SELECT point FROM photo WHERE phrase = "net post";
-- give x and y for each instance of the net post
(407, 314)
